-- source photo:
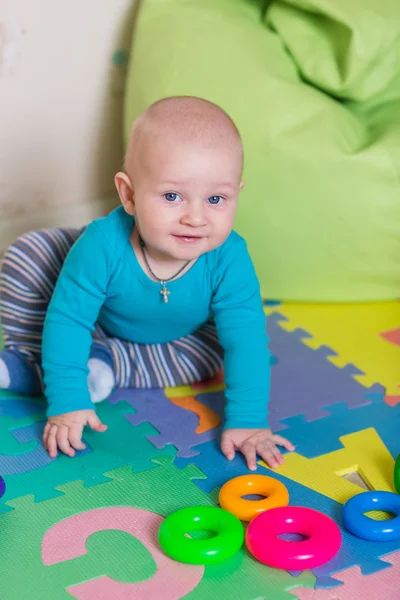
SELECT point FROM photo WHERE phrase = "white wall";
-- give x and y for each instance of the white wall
(61, 95)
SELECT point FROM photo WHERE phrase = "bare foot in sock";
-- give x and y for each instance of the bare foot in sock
(18, 374)
(5, 379)
(100, 380)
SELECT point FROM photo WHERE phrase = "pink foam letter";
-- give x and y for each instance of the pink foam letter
(67, 540)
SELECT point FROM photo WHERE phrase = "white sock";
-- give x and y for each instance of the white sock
(5, 379)
(100, 380)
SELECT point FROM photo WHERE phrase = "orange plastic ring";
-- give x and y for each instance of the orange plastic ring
(232, 492)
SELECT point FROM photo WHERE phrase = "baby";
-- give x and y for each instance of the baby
(161, 292)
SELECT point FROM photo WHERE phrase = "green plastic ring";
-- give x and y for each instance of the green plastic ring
(397, 474)
(174, 541)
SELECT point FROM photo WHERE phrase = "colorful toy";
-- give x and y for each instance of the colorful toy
(232, 492)
(365, 528)
(262, 538)
(397, 474)
(2, 487)
(174, 541)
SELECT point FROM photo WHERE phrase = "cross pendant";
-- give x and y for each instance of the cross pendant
(164, 292)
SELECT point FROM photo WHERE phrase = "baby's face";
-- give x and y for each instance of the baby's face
(186, 196)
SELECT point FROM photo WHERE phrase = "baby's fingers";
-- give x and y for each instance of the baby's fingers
(95, 423)
(75, 437)
(46, 434)
(50, 441)
(63, 440)
(227, 447)
(249, 452)
(281, 441)
(270, 454)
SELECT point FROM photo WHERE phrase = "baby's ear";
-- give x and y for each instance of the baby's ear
(125, 192)
(241, 185)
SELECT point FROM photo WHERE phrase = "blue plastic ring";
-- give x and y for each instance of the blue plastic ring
(365, 528)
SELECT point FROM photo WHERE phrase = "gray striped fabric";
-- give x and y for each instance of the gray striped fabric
(29, 273)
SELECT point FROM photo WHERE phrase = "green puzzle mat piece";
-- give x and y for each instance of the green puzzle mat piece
(8, 444)
(39, 401)
(117, 554)
(120, 445)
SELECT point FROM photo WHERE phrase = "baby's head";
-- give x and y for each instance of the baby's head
(182, 176)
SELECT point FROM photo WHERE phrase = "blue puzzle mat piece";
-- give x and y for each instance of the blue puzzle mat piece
(176, 425)
(120, 445)
(33, 459)
(354, 551)
(308, 436)
(304, 381)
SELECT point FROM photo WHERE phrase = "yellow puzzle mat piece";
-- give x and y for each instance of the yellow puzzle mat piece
(363, 452)
(354, 332)
(182, 391)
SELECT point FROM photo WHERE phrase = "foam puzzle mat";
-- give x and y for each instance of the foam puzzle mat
(86, 527)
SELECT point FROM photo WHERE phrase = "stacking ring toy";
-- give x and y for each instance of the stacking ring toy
(2, 487)
(175, 543)
(263, 542)
(369, 529)
(397, 474)
(230, 495)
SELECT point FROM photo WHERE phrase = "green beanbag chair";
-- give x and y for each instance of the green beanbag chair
(314, 88)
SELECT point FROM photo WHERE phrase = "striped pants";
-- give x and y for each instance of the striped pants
(30, 269)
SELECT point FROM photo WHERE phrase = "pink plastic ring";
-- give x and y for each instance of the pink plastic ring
(323, 543)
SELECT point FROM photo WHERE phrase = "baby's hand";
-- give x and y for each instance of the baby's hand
(252, 442)
(65, 431)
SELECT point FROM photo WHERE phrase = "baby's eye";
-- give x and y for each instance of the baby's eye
(171, 197)
(215, 200)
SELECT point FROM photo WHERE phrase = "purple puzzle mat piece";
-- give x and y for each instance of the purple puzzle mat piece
(305, 382)
(2, 487)
(309, 437)
(176, 425)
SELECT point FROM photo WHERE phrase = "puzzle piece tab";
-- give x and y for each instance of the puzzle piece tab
(363, 452)
(9, 445)
(307, 436)
(304, 381)
(354, 333)
(120, 445)
(33, 459)
(377, 586)
(176, 425)
(392, 336)
(208, 417)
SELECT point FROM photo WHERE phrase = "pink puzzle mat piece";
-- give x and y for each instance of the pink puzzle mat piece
(393, 337)
(67, 540)
(392, 401)
(383, 585)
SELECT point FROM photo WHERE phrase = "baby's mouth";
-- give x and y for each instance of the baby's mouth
(188, 238)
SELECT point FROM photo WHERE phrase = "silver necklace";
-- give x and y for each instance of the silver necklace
(164, 292)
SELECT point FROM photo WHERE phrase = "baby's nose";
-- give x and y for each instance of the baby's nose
(195, 215)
